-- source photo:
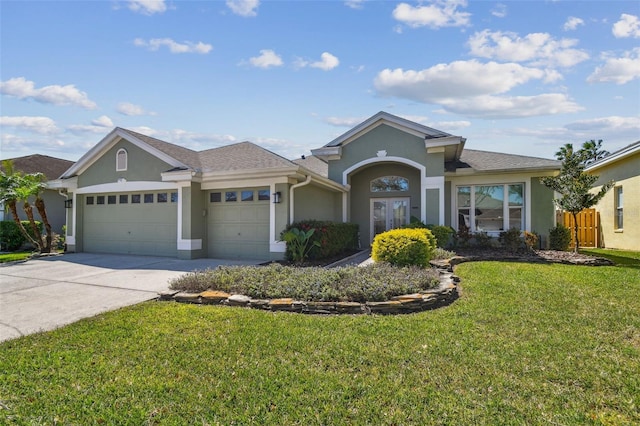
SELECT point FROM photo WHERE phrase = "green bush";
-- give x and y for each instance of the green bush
(559, 238)
(403, 247)
(511, 240)
(333, 238)
(11, 238)
(374, 283)
(442, 233)
(482, 240)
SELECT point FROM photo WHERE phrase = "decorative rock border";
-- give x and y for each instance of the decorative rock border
(443, 295)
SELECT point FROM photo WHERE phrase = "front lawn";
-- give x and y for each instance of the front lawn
(525, 344)
(15, 256)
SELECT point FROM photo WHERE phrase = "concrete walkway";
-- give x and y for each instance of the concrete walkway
(46, 293)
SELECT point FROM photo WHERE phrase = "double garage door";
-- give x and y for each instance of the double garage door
(238, 223)
(131, 223)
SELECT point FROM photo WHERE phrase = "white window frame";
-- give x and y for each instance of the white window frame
(120, 168)
(619, 208)
(506, 208)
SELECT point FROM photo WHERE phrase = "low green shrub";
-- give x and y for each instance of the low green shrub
(442, 254)
(333, 238)
(511, 240)
(482, 240)
(299, 243)
(559, 238)
(404, 247)
(377, 282)
(442, 233)
(11, 238)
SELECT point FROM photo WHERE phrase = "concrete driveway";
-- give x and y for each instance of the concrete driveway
(46, 293)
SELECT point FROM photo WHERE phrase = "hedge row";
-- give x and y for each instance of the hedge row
(11, 239)
(334, 238)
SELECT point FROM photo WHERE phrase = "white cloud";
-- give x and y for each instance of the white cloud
(438, 14)
(498, 107)
(147, 7)
(22, 88)
(627, 26)
(572, 23)
(354, 4)
(126, 108)
(618, 70)
(449, 85)
(537, 48)
(606, 125)
(100, 125)
(244, 7)
(15, 145)
(42, 125)
(449, 126)
(267, 59)
(452, 80)
(344, 121)
(155, 44)
(327, 62)
(500, 10)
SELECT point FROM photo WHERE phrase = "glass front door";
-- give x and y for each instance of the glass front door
(388, 213)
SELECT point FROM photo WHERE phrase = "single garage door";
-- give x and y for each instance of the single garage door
(238, 223)
(131, 223)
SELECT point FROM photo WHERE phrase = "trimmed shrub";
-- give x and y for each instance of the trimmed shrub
(531, 240)
(511, 240)
(373, 283)
(442, 233)
(11, 239)
(403, 247)
(482, 240)
(559, 238)
(332, 238)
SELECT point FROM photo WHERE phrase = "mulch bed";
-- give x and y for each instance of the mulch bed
(537, 256)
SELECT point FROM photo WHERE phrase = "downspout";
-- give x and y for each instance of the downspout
(291, 198)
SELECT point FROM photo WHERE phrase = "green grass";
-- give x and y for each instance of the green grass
(525, 344)
(620, 257)
(14, 256)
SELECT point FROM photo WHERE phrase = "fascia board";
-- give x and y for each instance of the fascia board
(328, 152)
(248, 174)
(614, 157)
(182, 175)
(107, 142)
(443, 141)
(470, 171)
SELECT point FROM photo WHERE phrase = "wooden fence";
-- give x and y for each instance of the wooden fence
(588, 227)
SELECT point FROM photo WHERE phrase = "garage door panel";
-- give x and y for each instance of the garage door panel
(238, 230)
(146, 229)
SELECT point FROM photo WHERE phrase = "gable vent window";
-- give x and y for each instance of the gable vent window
(121, 160)
(390, 184)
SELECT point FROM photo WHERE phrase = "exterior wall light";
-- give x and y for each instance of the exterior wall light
(277, 197)
(68, 203)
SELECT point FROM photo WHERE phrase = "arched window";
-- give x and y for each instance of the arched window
(390, 184)
(121, 160)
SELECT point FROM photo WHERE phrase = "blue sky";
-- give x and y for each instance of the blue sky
(522, 77)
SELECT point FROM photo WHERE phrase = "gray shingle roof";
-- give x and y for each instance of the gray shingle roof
(314, 164)
(241, 156)
(485, 161)
(185, 155)
(51, 167)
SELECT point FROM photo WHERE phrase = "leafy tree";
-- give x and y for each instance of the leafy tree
(16, 187)
(593, 151)
(573, 184)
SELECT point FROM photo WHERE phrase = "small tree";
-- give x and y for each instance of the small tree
(574, 185)
(15, 187)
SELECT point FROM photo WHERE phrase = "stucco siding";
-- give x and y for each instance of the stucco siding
(360, 194)
(395, 142)
(626, 174)
(542, 210)
(433, 206)
(312, 202)
(141, 166)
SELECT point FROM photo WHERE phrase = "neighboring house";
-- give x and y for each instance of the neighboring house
(136, 194)
(620, 209)
(52, 168)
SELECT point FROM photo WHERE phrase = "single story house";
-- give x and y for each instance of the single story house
(136, 194)
(52, 168)
(619, 210)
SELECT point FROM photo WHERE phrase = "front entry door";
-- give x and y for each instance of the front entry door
(388, 213)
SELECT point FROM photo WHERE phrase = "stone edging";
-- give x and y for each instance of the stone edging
(443, 295)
